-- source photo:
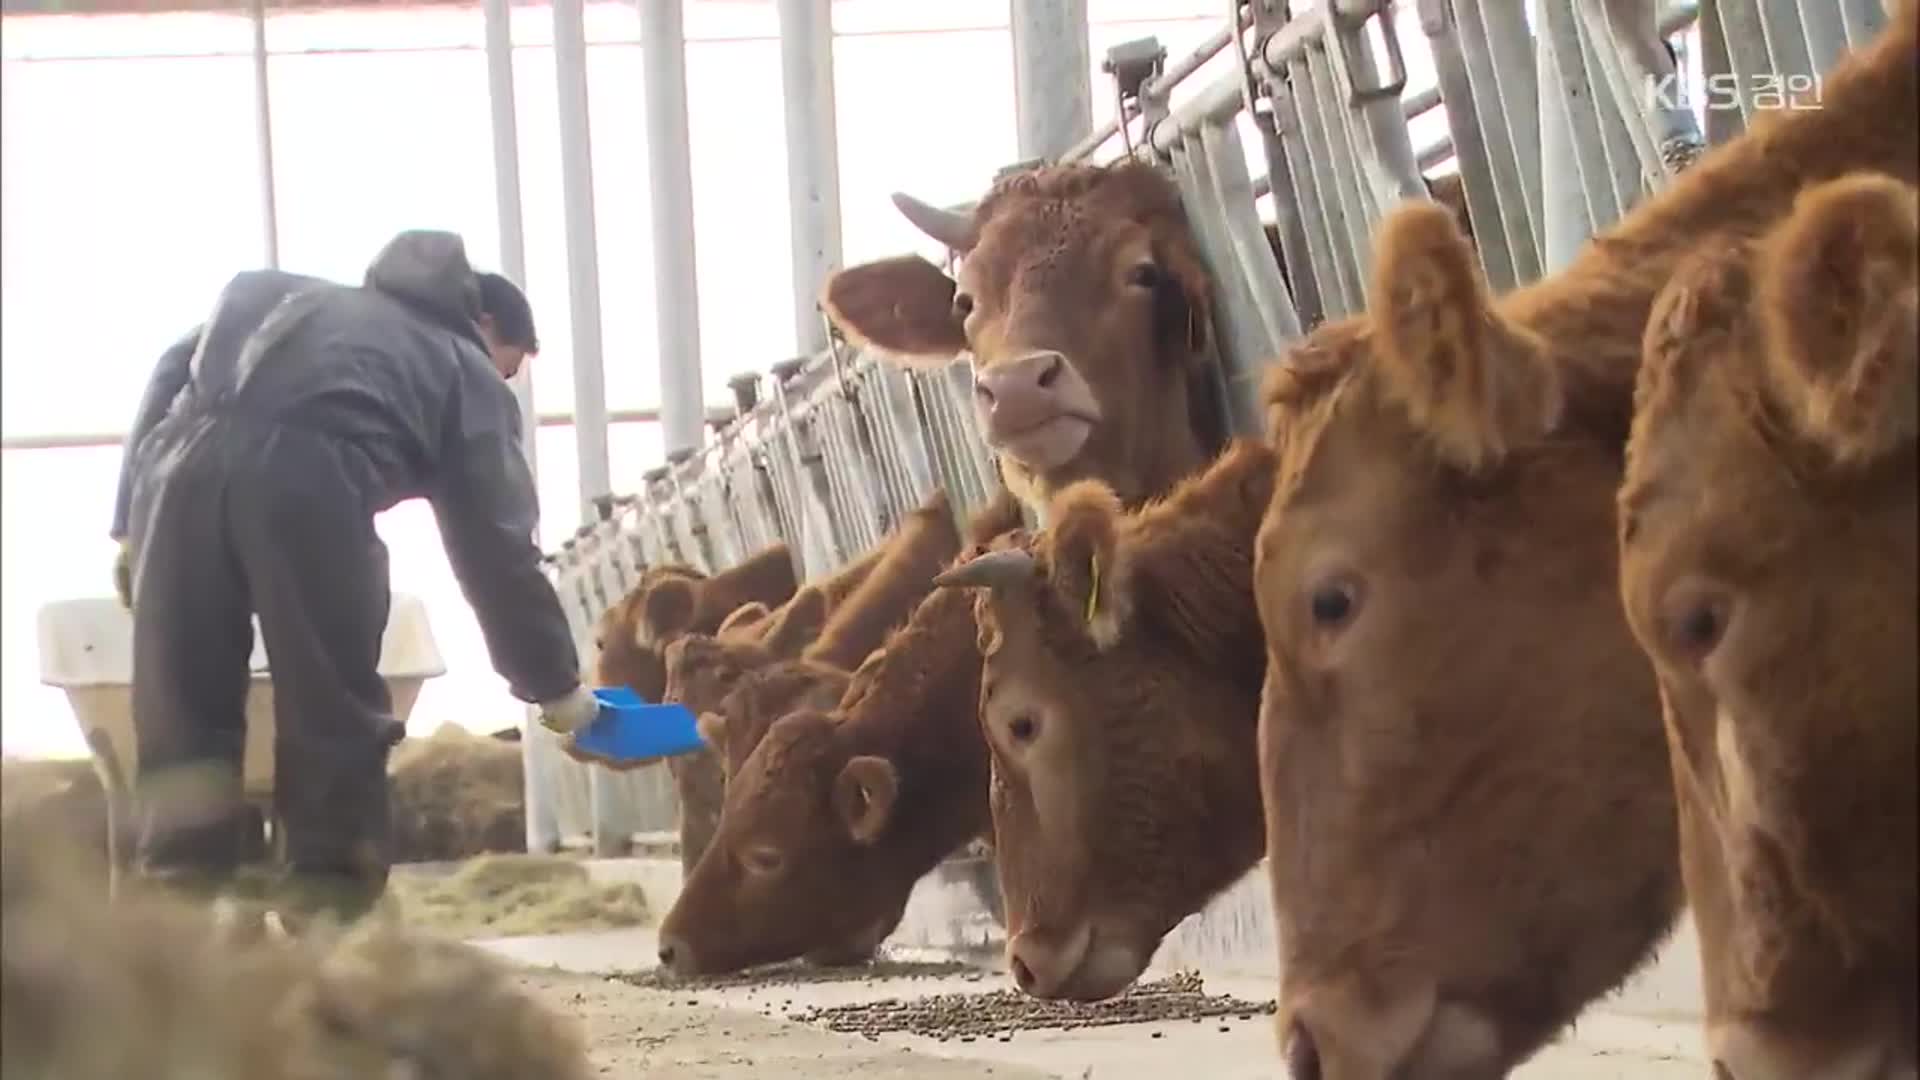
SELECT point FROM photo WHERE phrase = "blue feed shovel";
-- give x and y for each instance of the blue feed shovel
(630, 730)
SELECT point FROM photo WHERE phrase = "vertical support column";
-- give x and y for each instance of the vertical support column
(583, 252)
(663, 58)
(506, 183)
(583, 290)
(263, 134)
(1565, 221)
(543, 830)
(813, 162)
(1052, 75)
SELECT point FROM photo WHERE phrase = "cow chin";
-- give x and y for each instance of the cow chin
(1047, 446)
(856, 948)
(1111, 965)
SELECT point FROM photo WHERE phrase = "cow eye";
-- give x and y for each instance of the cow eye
(1144, 276)
(962, 306)
(1696, 621)
(1023, 727)
(763, 860)
(1332, 603)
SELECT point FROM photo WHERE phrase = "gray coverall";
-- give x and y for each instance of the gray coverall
(266, 443)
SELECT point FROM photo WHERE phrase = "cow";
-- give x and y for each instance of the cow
(751, 601)
(1119, 697)
(754, 695)
(833, 816)
(735, 725)
(674, 599)
(1471, 824)
(1767, 532)
(1085, 306)
(702, 670)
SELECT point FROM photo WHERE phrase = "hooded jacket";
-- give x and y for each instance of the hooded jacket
(397, 369)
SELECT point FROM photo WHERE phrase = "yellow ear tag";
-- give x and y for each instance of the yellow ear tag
(1093, 593)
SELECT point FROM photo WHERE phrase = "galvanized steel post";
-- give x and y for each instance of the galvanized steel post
(1052, 76)
(543, 831)
(583, 253)
(813, 161)
(583, 289)
(263, 134)
(506, 184)
(670, 175)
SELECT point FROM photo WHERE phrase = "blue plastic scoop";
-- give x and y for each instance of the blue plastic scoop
(630, 731)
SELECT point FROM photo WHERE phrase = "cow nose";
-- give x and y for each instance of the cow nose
(674, 954)
(1043, 965)
(1303, 1057)
(1023, 392)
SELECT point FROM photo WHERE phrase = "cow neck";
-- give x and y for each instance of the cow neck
(767, 577)
(922, 714)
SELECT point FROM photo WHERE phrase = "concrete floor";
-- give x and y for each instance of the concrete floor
(1649, 1032)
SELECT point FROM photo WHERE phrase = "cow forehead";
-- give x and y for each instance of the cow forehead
(1024, 241)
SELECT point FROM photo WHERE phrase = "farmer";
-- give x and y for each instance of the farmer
(266, 442)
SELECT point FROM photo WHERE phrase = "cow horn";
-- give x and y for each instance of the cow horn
(993, 570)
(954, 230)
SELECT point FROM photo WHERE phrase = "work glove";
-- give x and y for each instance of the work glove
(123, 576)
(566, 715)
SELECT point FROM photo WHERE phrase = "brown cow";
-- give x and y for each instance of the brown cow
(702, 668)
(760, 697)
(1086, 309)
(924, 542)
(673, 600)
(833, 817)
(818, 680)
(1120, 694)
(1768, 543)
(1457, 719)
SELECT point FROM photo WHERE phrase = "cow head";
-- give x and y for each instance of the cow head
(627, 642)
(673, 600)
(737, 724)
(1470, 827)
(1118, 697)
(793, 868)
(1084, 305)
(701, 668)
(1767, 537)
(833, 817)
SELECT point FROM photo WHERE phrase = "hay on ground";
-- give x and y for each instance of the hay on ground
(456, 795)
(151, 987)
(59, 801)
(510, 895)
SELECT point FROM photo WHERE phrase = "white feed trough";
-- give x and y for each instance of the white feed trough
(86, 649)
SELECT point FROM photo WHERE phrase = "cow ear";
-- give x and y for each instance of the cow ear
(1477, 385)
(902, 305)
(668, 610)
(1837, 303)
(864, 795)
(713, 728)
(1087, 566)
(1697, 319)
(742, 619)
(797, 623)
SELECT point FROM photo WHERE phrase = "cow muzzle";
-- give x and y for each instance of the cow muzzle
(1743, 1051)
(1079, 964)
(1412, 1037)
(1036, 408)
